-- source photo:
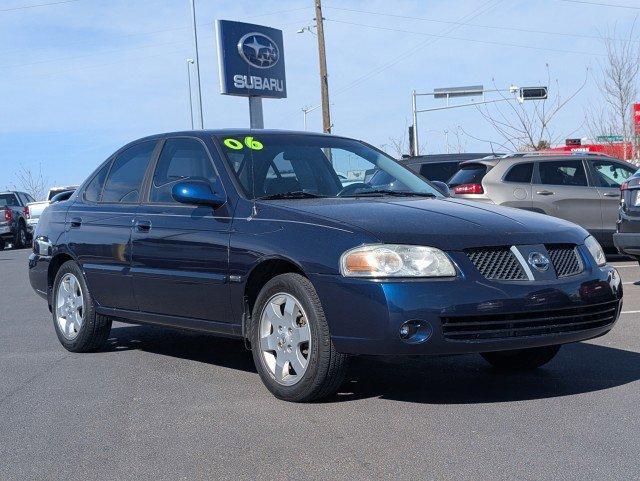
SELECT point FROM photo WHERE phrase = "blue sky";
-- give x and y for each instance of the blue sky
(78, 80)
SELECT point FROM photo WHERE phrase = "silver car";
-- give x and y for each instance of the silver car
(584, 189)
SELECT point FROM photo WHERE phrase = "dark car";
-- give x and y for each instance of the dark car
(14, 214)
(627, 236)
(250, 234)
(440, 167)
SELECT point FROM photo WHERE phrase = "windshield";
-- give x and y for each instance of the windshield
(307, 166)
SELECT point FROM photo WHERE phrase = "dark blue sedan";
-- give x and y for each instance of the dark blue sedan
(251, 234)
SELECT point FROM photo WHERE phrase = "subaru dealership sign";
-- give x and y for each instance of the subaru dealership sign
(250, 60)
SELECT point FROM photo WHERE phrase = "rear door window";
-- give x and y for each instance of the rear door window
(440, 171)
(181, 159)
(562, 172)
(610, 174)
(125, 178)
(468, 174)
(94, 190)
(520, 173)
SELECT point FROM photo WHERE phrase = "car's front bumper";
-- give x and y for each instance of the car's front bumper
(365, 316)
(627, 243)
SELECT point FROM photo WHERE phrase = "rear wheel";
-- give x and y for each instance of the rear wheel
(290, 340)
(521, 359)
(77, 325)
(2, 244)
(21, 237)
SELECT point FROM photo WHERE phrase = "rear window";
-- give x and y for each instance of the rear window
(8, 200)
(441, 171)
(468, 174)
(520, 173)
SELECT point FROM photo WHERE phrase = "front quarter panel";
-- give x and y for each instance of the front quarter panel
(313, 245)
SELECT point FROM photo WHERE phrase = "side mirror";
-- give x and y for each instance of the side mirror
(441, 187)
(196, 192)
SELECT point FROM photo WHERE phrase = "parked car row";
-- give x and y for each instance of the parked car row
(14, 216)
(19, 214)
(582, 188)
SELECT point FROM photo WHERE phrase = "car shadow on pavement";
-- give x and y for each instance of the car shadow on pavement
(467, 379)
(578, 368)
(194, 346)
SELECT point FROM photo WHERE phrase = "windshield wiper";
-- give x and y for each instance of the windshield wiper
(295, 194)
(396, 193)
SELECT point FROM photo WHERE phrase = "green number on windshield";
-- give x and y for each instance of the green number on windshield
(250, 142)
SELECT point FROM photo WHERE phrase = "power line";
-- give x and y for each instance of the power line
(493, 27)
(601, 4)
(488, 42)
(36, 5)
(484, 8)
(59, 59)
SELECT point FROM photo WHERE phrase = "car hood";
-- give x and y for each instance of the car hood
(449, 224)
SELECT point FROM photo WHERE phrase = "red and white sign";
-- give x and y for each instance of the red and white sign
(636, 118)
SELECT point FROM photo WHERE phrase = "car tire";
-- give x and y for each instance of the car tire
(2, 244)
(21, 237)
(78, 327)
(277, 353)
(521, 359)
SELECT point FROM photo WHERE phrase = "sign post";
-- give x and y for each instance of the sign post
(251, 64)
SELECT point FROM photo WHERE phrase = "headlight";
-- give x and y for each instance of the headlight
(596, 251)
(390, 260)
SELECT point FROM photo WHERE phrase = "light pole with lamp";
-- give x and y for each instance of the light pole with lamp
(189, 63)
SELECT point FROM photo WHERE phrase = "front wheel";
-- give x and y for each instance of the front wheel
(521, 359)
(78, 327)
(290, 340)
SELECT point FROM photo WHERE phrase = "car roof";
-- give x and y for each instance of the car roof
(236, 132)
(544, 157)
(458, 157)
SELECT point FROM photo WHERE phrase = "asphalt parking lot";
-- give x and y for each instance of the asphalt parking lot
(162, 404)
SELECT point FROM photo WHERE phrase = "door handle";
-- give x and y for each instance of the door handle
(545, 192)
(75, 222)
(143, 225)
(610, 194)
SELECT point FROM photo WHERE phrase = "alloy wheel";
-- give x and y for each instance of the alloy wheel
(285, 338)
(70, 307)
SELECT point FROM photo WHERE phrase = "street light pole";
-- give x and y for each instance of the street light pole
(415, 123)
(324, 78)
(189, 62)
(197, 62)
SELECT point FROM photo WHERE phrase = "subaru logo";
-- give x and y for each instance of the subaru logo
(258, 50)
(538, 261)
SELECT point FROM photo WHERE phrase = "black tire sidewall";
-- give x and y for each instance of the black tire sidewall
(83, 338)
(300, 288)
(19, 244)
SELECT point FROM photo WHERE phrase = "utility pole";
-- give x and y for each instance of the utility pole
(195, 41)
(414, 111)
(189, 62)
(324, 80)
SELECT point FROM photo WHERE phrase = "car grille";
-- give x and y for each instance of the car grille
(526, 324)
(565, 259)
(497, 263)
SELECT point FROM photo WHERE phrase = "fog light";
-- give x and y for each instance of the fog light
(414, 332)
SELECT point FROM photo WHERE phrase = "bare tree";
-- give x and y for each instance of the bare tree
(528, 125)
(32, 182)
(617, 79)
(400, 146)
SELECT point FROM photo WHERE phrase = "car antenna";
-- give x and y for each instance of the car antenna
(254, 208)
